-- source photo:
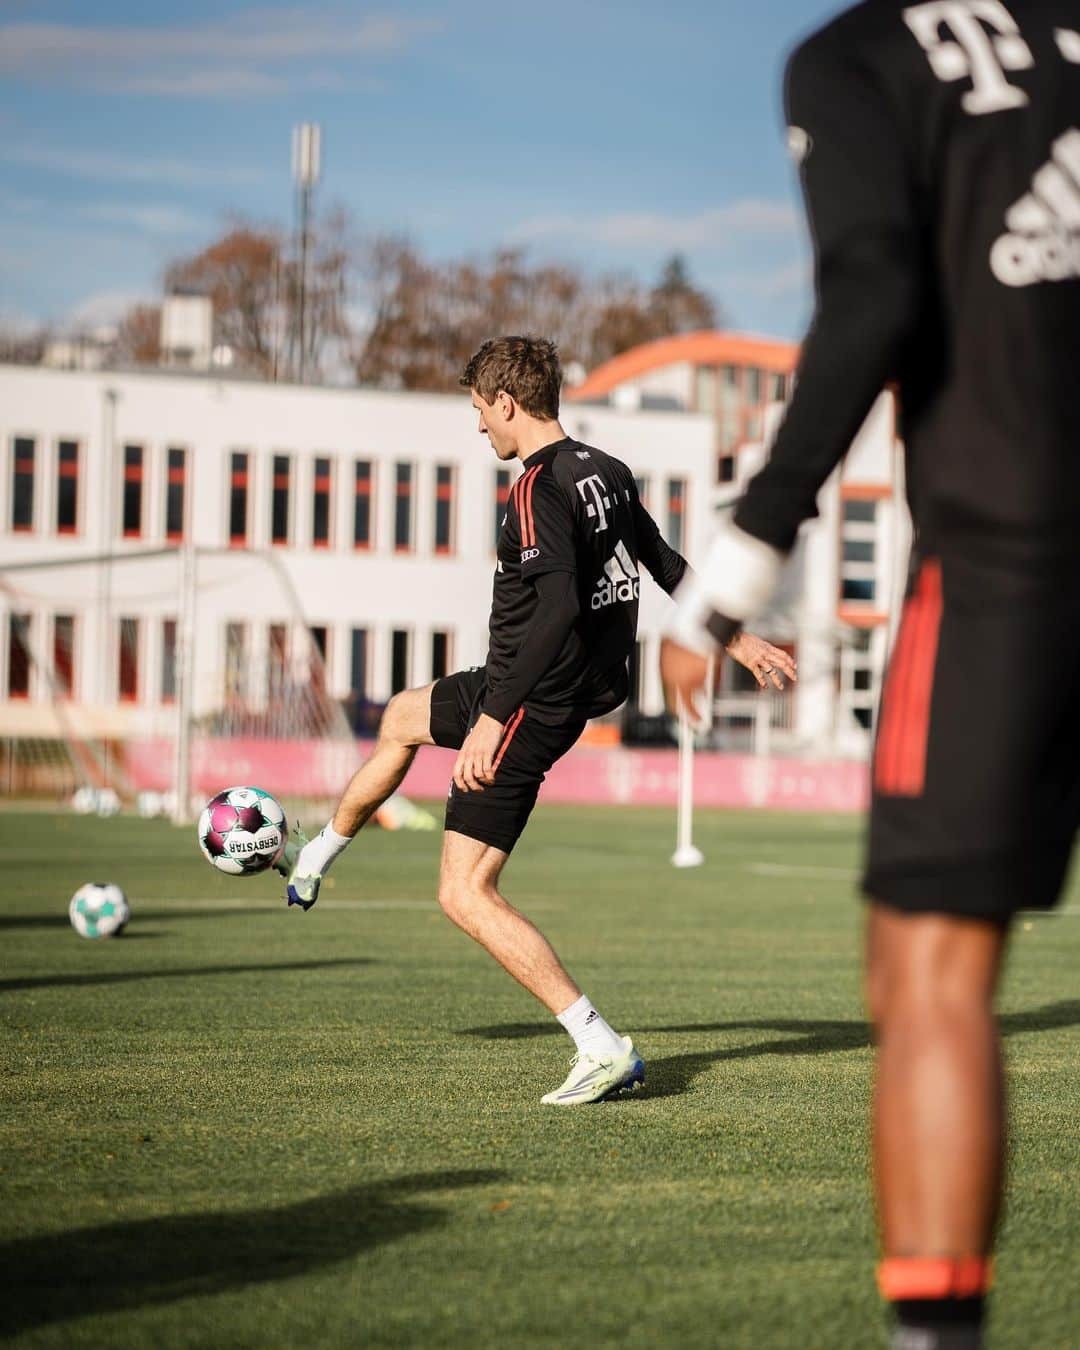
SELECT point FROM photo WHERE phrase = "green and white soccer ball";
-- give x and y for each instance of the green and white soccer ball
(99, 910)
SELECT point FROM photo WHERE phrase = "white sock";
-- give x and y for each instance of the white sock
(591, 1033)
(317, 854)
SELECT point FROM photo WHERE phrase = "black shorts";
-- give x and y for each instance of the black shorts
(529, 748)
(976, 796)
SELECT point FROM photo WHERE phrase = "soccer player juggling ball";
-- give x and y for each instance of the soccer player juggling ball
(563, 622)
(939, 146)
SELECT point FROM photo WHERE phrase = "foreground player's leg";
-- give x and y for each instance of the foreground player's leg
(405, 725)
(606, 1063)
(938, 1119)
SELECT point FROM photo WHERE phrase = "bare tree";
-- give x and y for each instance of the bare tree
(138, 338)
(428, 319)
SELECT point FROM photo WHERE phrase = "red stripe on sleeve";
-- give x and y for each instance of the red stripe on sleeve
(530, 525)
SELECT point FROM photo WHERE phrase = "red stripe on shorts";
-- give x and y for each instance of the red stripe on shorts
(900, 757)
(511, 729)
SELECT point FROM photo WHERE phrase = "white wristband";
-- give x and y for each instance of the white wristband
(738, 579)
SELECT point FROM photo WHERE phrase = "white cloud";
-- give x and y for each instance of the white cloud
(788, 279)
(149, 219)
(705, 229)
(249, 54)
(103, 165)
(104, 309)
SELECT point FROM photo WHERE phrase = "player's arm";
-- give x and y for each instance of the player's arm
(767, 664)
(859, 195)
(548, 561)
(666, 567)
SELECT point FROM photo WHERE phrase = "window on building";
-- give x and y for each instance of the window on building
(642, 485)
(238, 498)
(280, 490)
(168, 660)
(403, 508)
(320, 503)
(235, 660)
(440, 655)
(358, 663)
(399, 660)
(18, 681)
(729, 383)
(676, 511)
(63, 664)
(705, 391)
(320, 656)
(778, 389)
(859, 552)
(861, 661)
(67, 487)
(725, 469)
(128, 661)
(362, 504)
(502, 498)
(22, 484)
(755, 385)
(444, 508)
(278, 654)
(132, 508)
(175, 494)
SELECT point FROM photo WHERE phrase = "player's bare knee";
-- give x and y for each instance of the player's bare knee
(464, 902)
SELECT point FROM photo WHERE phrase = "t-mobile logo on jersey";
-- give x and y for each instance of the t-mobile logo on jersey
(975, 54)
(593, 492)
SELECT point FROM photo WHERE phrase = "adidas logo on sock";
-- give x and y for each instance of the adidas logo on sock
(620, 583)
(592, 1017)
(1042, 242)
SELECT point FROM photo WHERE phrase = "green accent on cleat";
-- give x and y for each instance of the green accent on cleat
(596, 1078)
(302, 890)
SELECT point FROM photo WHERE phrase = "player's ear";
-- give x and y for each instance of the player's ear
(506, 403)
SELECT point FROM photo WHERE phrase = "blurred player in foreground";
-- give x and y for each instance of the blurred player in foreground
(563, 623)
(940, 152)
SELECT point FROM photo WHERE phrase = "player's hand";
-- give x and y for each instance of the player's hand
(684, 674)
(475, 764)
(764, 661)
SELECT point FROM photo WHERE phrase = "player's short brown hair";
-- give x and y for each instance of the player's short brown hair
(526, 368)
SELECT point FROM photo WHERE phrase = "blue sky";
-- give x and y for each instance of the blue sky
(608, 134)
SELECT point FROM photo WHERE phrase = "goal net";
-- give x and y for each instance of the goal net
(157, 677)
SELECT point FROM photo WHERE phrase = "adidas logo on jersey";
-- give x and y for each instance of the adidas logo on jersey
(620, 583)
(1042, 242)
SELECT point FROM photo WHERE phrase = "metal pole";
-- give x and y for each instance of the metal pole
(686, 854)
(185, 676)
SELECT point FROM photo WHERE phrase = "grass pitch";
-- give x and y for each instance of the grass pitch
(244, 1126)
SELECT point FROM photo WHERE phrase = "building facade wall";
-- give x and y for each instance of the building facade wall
(422, 589)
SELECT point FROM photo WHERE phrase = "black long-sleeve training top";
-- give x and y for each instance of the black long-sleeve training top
(939, 152)
(564, 646)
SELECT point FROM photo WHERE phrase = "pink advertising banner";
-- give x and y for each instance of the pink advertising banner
(596, 776)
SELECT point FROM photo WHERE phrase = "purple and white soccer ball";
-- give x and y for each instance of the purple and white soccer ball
(242, 830)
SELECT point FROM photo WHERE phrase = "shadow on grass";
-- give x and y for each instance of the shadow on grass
(119, 1267)
(141, 916)
(124, 976)
(671, 1075)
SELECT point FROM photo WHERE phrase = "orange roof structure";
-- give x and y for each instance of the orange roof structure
(706, 348)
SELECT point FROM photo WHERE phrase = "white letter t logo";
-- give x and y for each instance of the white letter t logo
(974, 53)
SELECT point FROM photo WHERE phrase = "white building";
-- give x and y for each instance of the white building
(380, 510)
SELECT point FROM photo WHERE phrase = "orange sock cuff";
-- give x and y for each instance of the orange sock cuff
(929, 1277)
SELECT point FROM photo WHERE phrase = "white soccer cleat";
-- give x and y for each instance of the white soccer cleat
(299, 890)
(595, 1078)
